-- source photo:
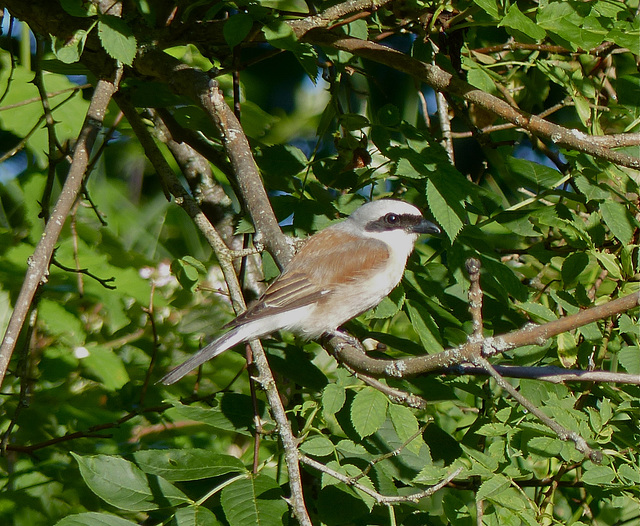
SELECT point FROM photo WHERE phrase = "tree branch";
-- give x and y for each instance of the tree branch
(225, 257)
(436, 363)
(39, 262)
(442, 81)
(198, 86)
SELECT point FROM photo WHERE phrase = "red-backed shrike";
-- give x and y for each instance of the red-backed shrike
(339, 273)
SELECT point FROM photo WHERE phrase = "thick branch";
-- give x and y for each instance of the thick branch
(39, 262)
(440, 362)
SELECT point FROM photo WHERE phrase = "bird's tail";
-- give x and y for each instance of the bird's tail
(216, 347)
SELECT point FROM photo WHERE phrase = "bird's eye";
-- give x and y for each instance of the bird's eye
(391, 219)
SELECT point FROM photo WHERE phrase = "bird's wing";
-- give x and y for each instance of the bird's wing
(315, 273)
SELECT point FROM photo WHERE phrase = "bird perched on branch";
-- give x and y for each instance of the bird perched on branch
(339, 273)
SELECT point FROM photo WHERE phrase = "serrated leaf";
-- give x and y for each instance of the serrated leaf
(250, 500)
(186, 464)
(368, 411)
(516, 20)
(195, 516)
(123, 485)
(542, 176)
(492, 487)
(493, 430)
(318, 446)
(619, 220)
(610, 263)
(117, 39)
(567, 349)
(446, 216)
(598, 475)
(629, 358)
(333, 398)
(406, 426)
(431, 474)
(236, 28)
(94, 519)
(389, 306)
(424, 324)
(573, 265)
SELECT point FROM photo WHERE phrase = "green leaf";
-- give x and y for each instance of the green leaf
(123, 485)
(389, 306)
(236, 28)
(318, 446)
(627, 35)
(333, 398)
(489, 6)
(632, 474)
(516, 20)
(389, 115)
(598, 475)
(60, 322)
(280, 35)
(117, 39)
(492, 487)
(368, 411)
(106, 365)
(610, 263)
(248, 501)
(493, 430)
(573, 265)
(538, 312)
(542, 176)
(424, 324)
(233, 413)
(186, 464)
(69, 50)
(406, 426)
(195, 516)
(567, 349)
(546, 446)
(448, 217)
(629, 358)
(79, 8)
(617, 217)
(94, 519)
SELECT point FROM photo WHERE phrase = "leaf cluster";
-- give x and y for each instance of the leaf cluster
(88, 436)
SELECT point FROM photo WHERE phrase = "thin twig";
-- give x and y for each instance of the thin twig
(475, 296)
(595, 455)
(379, 498)
(105, 282)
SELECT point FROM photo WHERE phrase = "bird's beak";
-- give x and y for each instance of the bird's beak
(426, 227)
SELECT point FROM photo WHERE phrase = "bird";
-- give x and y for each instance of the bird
(339, 273)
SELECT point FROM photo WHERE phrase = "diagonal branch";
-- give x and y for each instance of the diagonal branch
(225, 256)
(39, 262)
(442, 81)
(198, 86)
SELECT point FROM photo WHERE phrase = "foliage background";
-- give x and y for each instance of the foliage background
(90, 438)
